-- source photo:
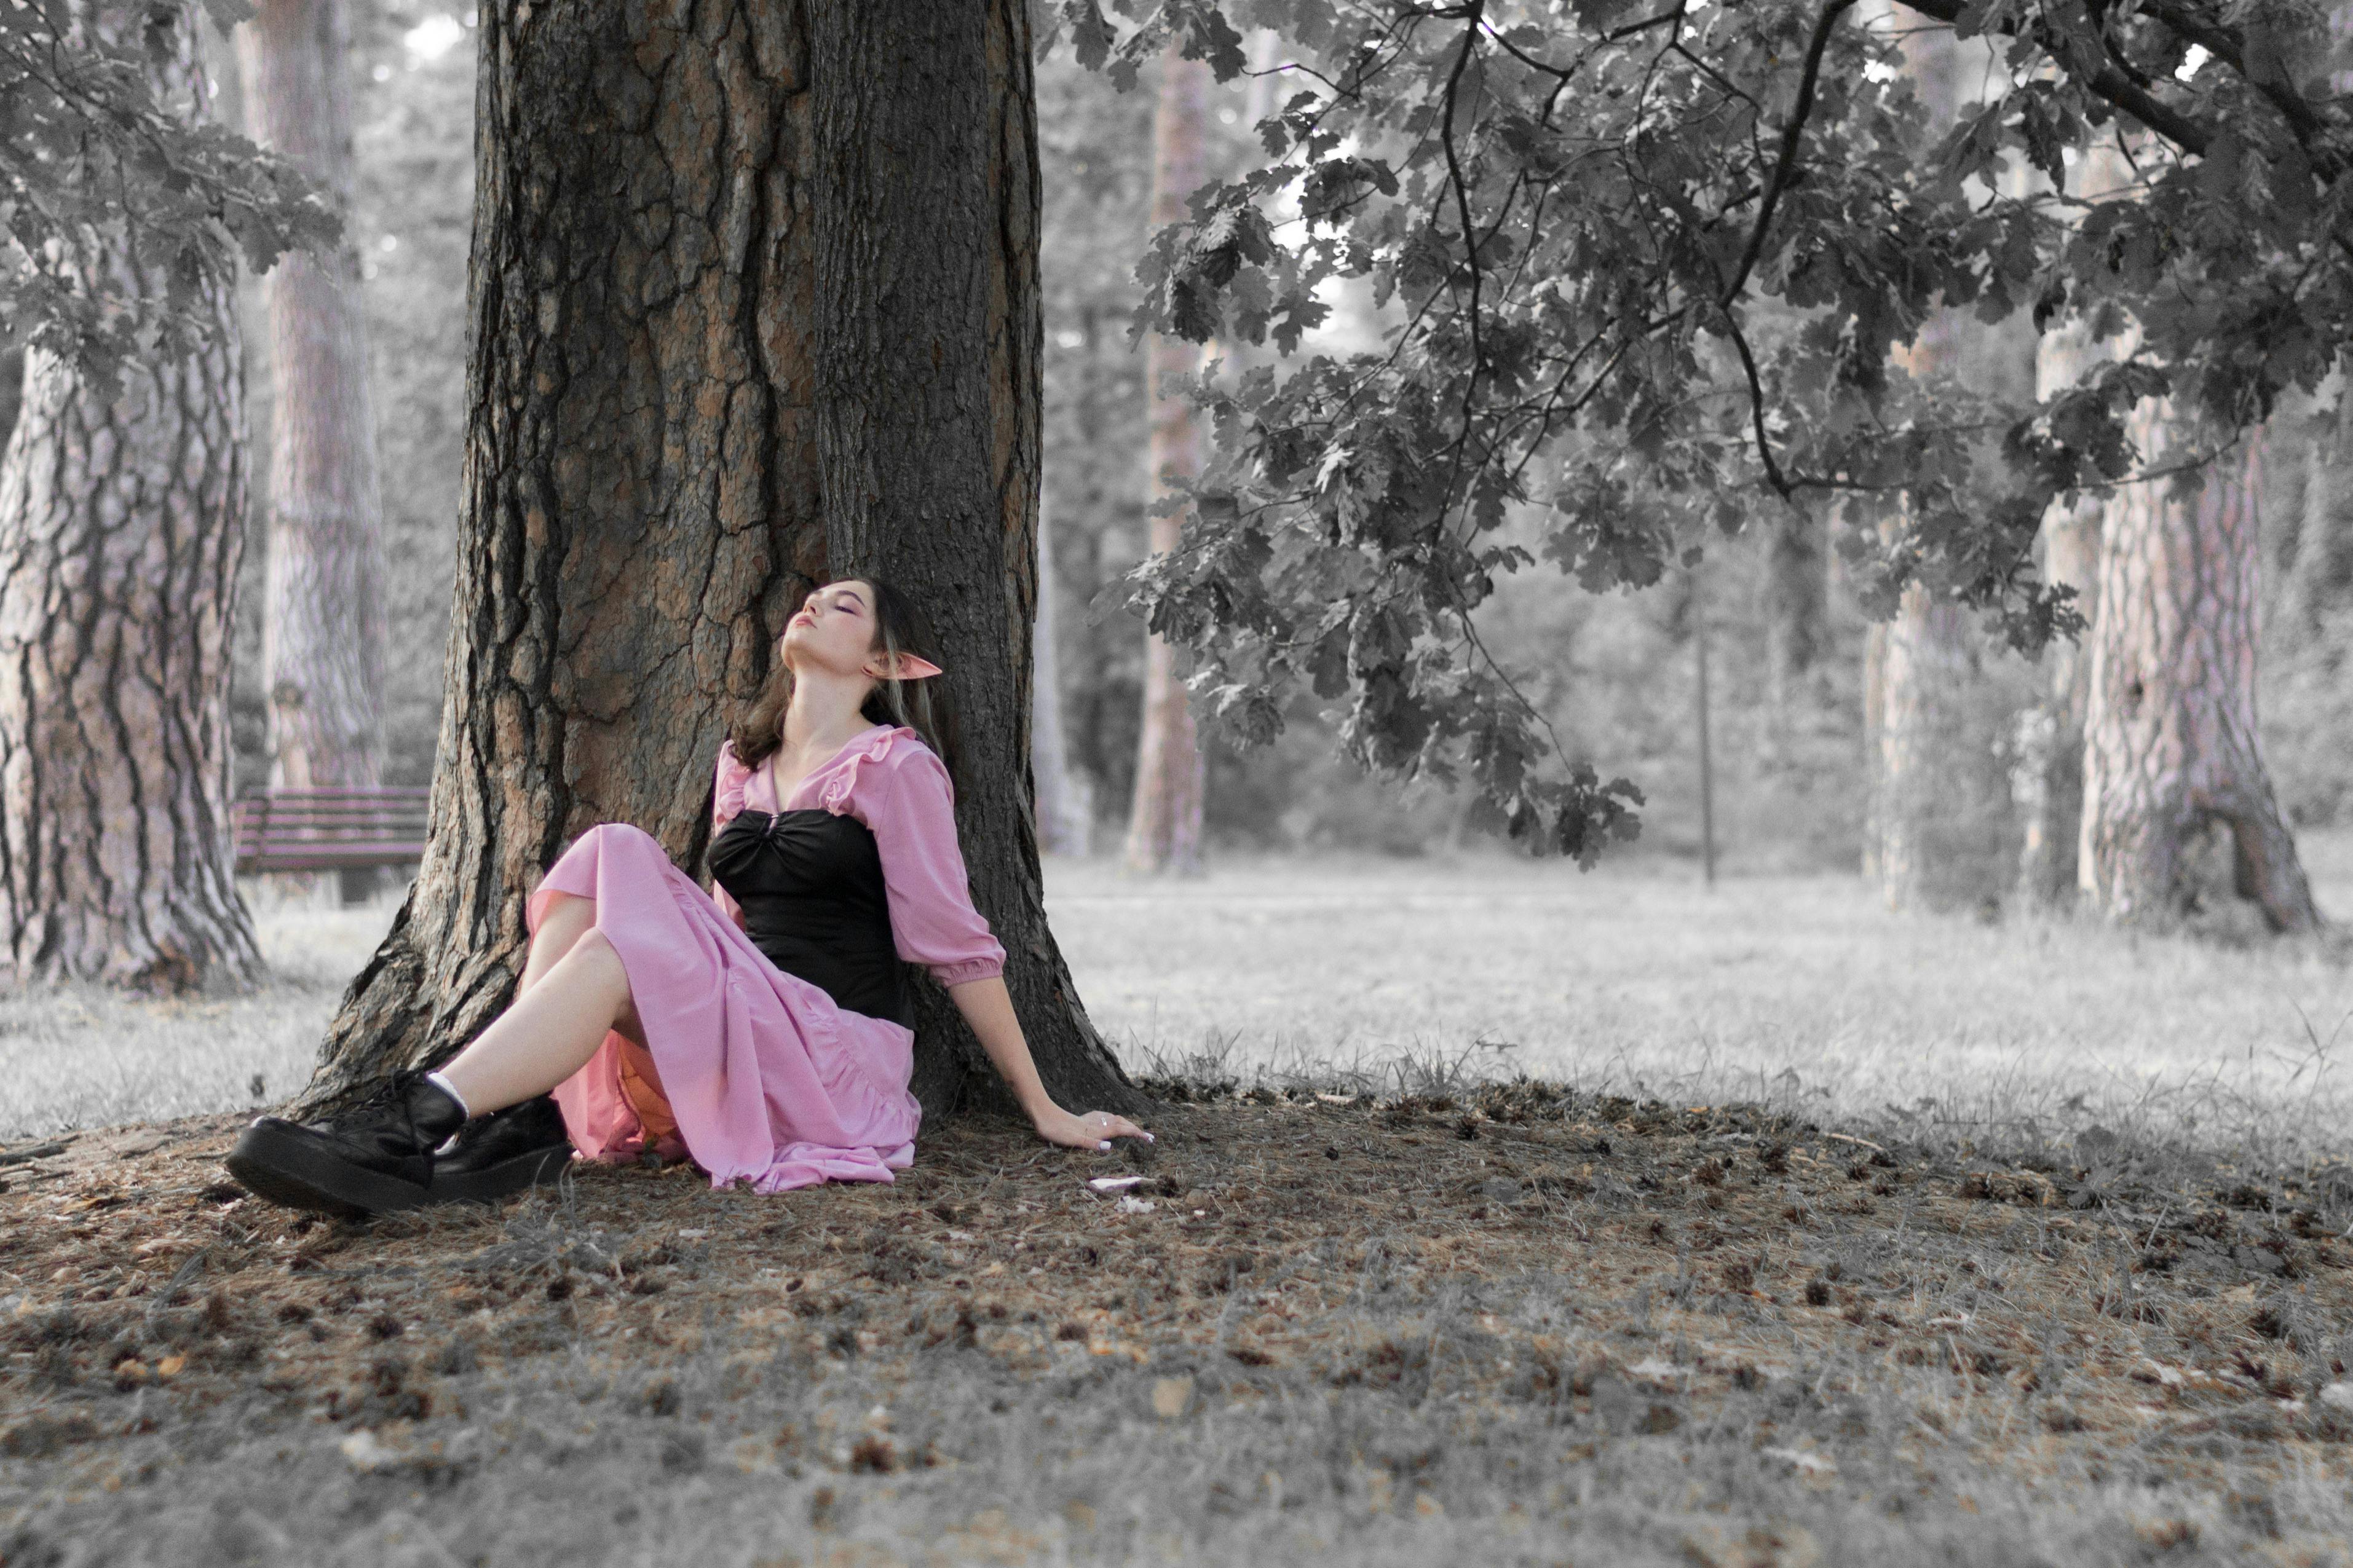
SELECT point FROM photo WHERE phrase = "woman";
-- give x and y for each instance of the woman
(762, 1031)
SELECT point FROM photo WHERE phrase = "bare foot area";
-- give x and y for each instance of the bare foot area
(1529, 1324)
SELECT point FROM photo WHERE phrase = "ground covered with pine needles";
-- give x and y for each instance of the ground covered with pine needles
(1537, 1325)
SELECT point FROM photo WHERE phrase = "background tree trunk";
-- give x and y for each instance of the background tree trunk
(121, 518)
(2320, 577)
(1163, 830)
(323, 615)
(752, 294)
(1065, 808)
(1796, 611)
(1940, 801)
(2173, 761)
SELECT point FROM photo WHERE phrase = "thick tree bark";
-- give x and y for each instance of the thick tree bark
(1065, 810)
(121, 526)
(322, 619)
(2173, 763)
(1164, 828)
(753, 295)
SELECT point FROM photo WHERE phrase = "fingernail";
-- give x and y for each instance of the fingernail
(1104, 1145)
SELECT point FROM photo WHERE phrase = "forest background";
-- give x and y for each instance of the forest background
(1615, 673)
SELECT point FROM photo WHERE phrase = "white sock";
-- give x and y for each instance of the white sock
(442, 1082)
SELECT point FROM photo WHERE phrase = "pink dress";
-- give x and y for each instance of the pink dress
(757, 1073)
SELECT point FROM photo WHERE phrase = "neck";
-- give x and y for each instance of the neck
(824, 710)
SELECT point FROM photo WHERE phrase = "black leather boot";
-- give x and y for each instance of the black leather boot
(503, 1152)
(375, 1158)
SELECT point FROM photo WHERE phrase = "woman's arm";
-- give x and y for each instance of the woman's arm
(988, 1009)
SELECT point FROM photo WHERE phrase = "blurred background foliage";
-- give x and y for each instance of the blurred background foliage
(1615, 673)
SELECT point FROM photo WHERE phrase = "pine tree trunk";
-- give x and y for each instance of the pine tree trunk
(323, 616)
(1065, 813)
(121, 525)
(2179, 814)
(753, 295)
(1164, 828)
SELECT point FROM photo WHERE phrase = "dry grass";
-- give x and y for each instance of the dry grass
(1523, 1326)
(1796, 992)
(85, 1057)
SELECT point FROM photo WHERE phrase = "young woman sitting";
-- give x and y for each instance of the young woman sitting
(762, 1031)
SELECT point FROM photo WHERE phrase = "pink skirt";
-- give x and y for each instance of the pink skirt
(755, 1073)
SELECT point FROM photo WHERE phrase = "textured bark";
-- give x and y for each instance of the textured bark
(1164, 827)
(121, 526)
(753, 294)
(2179, 814)
(322, 613)
(1065, 812)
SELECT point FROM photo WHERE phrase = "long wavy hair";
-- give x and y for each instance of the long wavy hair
(919, 705)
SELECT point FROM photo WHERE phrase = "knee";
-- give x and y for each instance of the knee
(596, 949)
(624, 835)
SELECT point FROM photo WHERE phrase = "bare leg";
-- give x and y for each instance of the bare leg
(568, 916)
(552, 1028)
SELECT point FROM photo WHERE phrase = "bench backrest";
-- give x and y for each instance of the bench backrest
(319, 829)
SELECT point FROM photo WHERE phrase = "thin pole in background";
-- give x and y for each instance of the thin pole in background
(1706, 763)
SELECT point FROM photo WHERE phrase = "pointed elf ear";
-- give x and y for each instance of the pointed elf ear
(911, 668)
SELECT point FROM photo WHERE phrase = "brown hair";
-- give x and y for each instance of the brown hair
(919, 705)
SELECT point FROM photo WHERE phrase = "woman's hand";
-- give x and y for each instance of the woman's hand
(1095, 1129)
(989, 1010)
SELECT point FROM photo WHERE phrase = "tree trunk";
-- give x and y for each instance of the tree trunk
(2047, 768)
(2173, 761)
(121, 525)
(1938, 826)
(2320, 577)
(1797, 607)
(1164, 828)
(1065, 812)
(1935, 817)
(322, 616)
(753, 295)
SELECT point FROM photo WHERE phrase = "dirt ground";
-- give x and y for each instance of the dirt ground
(1537, 1325)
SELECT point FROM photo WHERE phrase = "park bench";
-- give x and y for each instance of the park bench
(348, 831)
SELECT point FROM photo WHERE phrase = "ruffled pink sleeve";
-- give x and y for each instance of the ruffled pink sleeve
(726, 800)
(909, 805)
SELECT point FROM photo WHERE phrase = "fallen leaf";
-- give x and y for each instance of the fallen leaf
(1170, 1396)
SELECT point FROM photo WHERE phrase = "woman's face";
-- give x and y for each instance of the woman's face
(833, 629)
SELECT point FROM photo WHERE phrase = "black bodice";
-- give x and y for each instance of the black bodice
(810, 885)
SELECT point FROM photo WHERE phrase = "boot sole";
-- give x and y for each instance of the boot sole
(508, 1177)
(288, 1169)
